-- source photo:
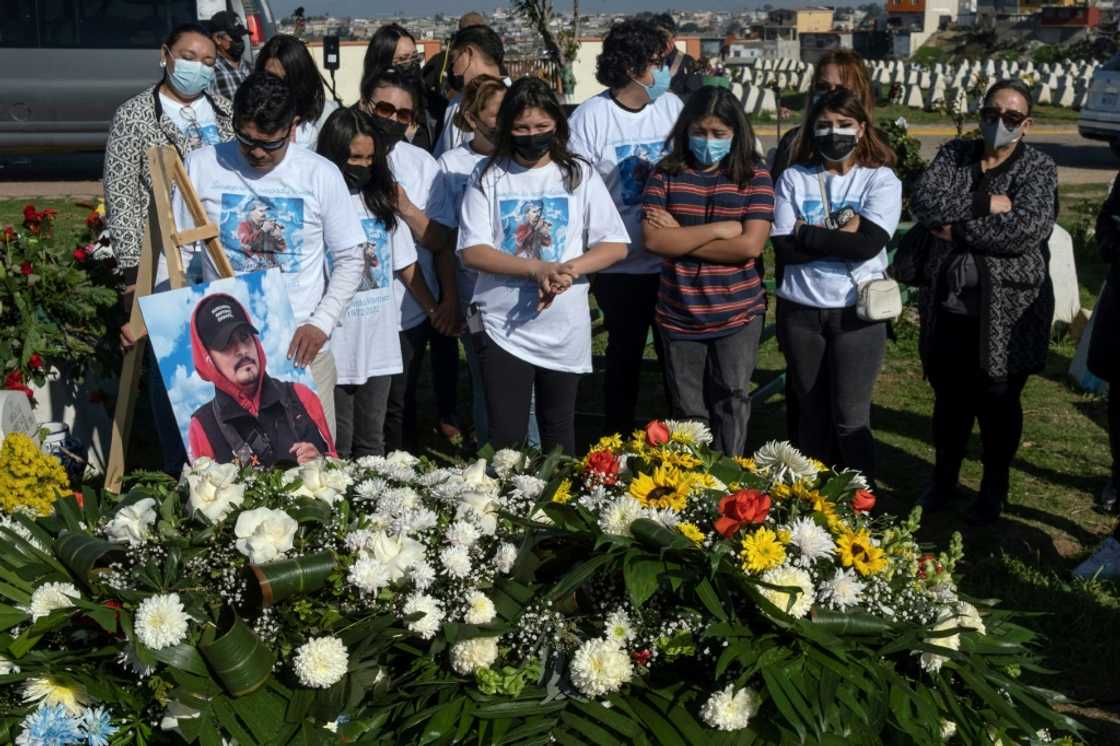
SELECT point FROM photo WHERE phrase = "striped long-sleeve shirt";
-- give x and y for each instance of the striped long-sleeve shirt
(699, 299)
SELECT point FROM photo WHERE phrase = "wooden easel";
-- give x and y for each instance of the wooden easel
(167, 171)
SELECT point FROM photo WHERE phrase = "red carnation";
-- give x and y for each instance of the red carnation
(603, 466)
(657, 433)
(745, 507)
(80, 255)
(30, 214)
(9, 234)
(35, 361)
(641, 657)
(863, 501)
(25, 269)
(14, 382)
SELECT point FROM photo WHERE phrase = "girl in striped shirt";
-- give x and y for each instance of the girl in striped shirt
(707, 210)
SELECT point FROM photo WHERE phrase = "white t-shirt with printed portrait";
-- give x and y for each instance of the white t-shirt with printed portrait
(527, 212)
(874, 193)
(417, 171)
(624, 146)
(195, 120)
(455, 169)
(367, 340)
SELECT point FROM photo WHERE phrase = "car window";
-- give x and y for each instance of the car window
(93, 24)
(17, 27)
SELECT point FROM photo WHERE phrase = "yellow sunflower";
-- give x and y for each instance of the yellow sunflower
(612, 443)
(691, 532)
(667, 487)
(746, 464)
(762, 550)
(856, 550)
(678, 459)
(563, 492)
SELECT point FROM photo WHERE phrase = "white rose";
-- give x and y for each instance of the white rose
(396, 553)
(133, 523)
(484, 508)
(474, 477)
(214, 490)
(313, 481)
(264, 535)
(506, 461)
(402, 458)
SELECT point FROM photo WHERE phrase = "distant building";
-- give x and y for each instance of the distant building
(1015, 9)
(816, 45)
(1062, 24)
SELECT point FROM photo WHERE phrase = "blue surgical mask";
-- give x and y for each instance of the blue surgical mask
(661, 79)
(189, 77)
(709, 152)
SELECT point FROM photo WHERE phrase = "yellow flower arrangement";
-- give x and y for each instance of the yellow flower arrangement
(747, 464)
(30, 480)
(612, 443)
(678, 459)
(856, 550)
(563, 492)
(691, 532)
(762, 550)
(667, 487)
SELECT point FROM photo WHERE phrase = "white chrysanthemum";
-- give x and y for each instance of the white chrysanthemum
(504, 557)
(369, 574)
(619, 628)
(528, 485)
(402, 458)
(399, 499)
(370, 489)
(783, 463)
(948, 729)
(338, 478)
(422, 575)
(427, 625)
(264, 534)
(789, 577)
(932, 662)
(842, 591)
(506, 461)
(321, 662)
(480, 609)
(359, 539)
(969, 618)
(462, 533)
(667, 517)
(417, 521)
(600, 667)
(811, 539)
(469, 656)
(45, 691)
(457, 561)
(618, 516)
(856, 481)
(51, 596)
(7, 667)
(689, 431)
(133, 523)
(730, 709)
(161, 621)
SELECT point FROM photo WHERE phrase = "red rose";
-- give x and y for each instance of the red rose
(30, 214)
(14, 382)
(603, 466)
(745, 507)
(35, 361)
(657, 434)
(641, 657)
(9, 234)
(863, 501)
(80, 255)
(25, 269)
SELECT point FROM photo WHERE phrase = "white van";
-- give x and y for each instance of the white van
(1100, 116)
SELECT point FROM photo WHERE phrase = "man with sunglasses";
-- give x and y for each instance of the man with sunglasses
(309, 212)
(987, 299)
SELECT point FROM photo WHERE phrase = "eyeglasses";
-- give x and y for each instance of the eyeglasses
(414, 59)
(1011, 118)
(268, 145)
(387, 110)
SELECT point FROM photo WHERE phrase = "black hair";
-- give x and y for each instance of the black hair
(382, 47)
(871, 150)
(665, 21)
(393, 78)
(628, 49)
(1010, 84)
(300, 73)
(534, 93)
(340, 129)
(718, 102)
(266, 101)
(485, 39)
(182, 30)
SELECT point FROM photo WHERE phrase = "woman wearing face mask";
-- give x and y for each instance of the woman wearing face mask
(708, 208)
(987, 300)
(834, 213)
(474, 51)
(287, 57)
(176, 111)
(366, 345)
(392, 46)
(535, 220)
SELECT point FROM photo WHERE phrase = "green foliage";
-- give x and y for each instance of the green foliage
(928, 55)
(909, 163)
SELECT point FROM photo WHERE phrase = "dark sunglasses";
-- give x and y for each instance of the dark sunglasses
(1011, 119)
(387, 110)
(268, 145)
(823, 86)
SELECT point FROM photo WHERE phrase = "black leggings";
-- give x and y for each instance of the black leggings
(963, 394)
(1114, 430)
(510, 382)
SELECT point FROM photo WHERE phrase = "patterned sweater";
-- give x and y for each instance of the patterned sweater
(1011, 250)
(139, 125)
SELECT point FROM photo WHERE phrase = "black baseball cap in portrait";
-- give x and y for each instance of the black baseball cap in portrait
(217, 318)
(227, 22)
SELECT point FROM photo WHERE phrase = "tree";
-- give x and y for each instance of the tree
(561, 47)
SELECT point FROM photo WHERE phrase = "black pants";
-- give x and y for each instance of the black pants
(628, 303)
(510, 382)
(833, 359)
(1114, 432)
(963, 394)
(359, 411)
(400, 415)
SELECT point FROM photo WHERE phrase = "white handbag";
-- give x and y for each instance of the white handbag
(878, 299)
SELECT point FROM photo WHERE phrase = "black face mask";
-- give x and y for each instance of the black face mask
(490, 133)
(236, 48)
(357, 177)
(835, 145)
(392, 130)
(411, 69)
(530, 148)
(455, 82)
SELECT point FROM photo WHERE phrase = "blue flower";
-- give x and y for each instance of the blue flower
(97, 726)
(50, 725)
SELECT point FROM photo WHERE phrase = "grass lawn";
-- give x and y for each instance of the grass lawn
(1025, 559)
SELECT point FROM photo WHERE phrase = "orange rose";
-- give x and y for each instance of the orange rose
(745, 507)
(657, 434)
(863, 501)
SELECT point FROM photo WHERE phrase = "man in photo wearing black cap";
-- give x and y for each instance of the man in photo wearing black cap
(253, 418)
(230, 69)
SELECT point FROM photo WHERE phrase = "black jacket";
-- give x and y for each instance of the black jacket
(1104, 345)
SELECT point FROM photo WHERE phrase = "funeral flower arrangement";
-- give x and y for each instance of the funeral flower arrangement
(652, 592)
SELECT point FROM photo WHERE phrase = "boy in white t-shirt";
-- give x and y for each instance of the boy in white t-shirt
(622, 133)
(285, 207)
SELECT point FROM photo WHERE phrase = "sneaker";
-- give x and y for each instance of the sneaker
(1105, 562)
(1105, 501)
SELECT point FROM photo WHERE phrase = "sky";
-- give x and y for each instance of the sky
(365, 9)
(167, 316)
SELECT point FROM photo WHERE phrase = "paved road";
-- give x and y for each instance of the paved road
(1080, 161)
